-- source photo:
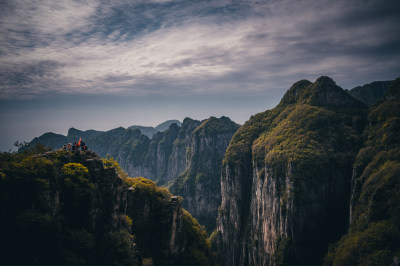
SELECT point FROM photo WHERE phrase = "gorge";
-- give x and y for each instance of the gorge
(313, 181)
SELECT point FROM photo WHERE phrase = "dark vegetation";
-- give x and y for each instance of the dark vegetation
(369, 93)
(152, 212)
(315, 127)
(46, 214)
(322, 136)
(374, 234)
(70, 208)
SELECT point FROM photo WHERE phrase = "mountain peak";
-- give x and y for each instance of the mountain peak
(73, 132)
(165, 125)
(323, 92)
(151, 131)
(294, 94)
(325, 80)
(215, 125)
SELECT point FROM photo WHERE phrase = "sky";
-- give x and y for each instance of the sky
(97, 64)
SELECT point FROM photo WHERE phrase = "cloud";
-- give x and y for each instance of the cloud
(28, 79)
(192, 47)
(40, 22)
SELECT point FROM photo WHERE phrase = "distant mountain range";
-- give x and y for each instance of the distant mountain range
(56, 141)
(151, 131)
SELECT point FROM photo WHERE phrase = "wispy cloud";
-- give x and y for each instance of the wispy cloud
(192, 47)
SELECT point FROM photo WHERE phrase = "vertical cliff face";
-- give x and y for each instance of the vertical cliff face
(236, 184)
(178, 161)
(199, 184)
(374, 231)
(163, 157)
(63, 208)
(124, 145)
(166, 234)
(158, 154)
(72, 208)
(286, 178)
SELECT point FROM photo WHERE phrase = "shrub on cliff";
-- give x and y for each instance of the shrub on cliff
(374, 235)
(45, 205)
(153, 212)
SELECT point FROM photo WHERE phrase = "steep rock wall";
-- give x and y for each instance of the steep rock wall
(73, 208)
(286, 178)
(374, 224)
(165, 232)
(63, 208)
(199, 184)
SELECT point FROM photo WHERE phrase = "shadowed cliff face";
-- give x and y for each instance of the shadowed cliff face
(164, 231)
(286, 178)
(374, 230)
(200, 184)
(371, 92)
(62, 208)
(71, 208)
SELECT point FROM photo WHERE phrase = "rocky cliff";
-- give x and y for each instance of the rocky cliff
(167, 151)
(62, 208)
(374, 224)
(165, 233)
(199, 184)
(186, 158)
(286, 178)
(72, 208)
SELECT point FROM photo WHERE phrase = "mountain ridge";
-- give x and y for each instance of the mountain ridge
(370, 92)
(296, 181)
(151, 131)
(270, 171)
(291, 174)
(167, 156)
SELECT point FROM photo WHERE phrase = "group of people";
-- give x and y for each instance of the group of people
(75, 146)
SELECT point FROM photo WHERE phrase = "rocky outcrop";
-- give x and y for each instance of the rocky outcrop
(174, 150)
(72, 208)
(161, 159)
(159, 216)
(200, 184)
(63, 208)
(178, 158)
(286, 178)
(374, 223)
